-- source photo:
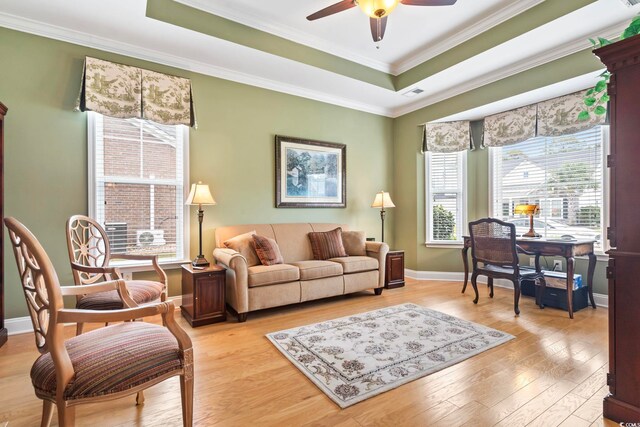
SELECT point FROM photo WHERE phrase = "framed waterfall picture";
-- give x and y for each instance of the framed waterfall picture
(310, 174)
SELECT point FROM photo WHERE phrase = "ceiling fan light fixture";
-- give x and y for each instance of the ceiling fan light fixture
(377, 8)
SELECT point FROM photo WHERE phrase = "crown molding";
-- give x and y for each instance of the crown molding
(494, 76)
(109, 45)
(284, 31)
(477, 28)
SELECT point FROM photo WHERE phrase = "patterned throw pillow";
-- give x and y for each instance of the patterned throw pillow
(244, 244)
(327, 244)
(267, 250)
(354, 243)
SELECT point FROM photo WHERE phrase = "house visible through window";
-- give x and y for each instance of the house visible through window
(137, 173)
(446, 196)
(564, 175)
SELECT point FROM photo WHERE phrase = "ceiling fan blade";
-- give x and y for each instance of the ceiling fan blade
(378, 27)
(334, 8)
(428, 2)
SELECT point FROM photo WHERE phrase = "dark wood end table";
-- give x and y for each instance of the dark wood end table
(394, 270)
(203, 295)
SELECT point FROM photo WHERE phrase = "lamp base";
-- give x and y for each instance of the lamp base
(200, 261)
(531, 233)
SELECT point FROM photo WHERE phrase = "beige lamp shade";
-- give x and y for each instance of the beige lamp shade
(200, 195)
(526, 209)
(383, 200)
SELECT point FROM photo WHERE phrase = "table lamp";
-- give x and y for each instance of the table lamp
(382, 200)
(530, 210)
(200, 195)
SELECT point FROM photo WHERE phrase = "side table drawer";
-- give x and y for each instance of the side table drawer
(394, 270)
(209, 296)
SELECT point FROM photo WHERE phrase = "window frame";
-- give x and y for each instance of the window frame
(462, 164)
(129, 266)
(604, 219)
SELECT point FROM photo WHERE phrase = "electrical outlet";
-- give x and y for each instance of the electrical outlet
(532, 262)
(557, 265)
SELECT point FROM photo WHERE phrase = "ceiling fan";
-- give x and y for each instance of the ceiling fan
(377, 10)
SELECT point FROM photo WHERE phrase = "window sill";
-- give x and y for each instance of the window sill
(445, 245)
(136, 266)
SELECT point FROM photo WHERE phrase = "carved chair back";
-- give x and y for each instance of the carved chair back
(88, 245)
(41, 290)
(493, 242)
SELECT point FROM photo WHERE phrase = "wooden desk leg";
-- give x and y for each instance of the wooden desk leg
(570, 262)
(465, 261)
(540, 289)
(590, 271)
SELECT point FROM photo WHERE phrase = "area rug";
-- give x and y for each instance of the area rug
(356, 357)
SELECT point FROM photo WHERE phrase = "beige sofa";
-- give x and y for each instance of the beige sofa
(300, 278)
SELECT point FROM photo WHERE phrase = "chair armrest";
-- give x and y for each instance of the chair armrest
(112, 285)
(521, 250)
(95, 270)
(152, 258)
(69, 315)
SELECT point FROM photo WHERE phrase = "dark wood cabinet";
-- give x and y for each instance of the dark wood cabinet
(622, 59)
(394, 270)
(203, 295)
(3, 330)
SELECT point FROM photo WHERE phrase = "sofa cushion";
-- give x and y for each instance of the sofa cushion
(244, 244)
(141, 291)
(327, 244)
(354, 243)
(310, 270)
(263, 275)
(267, 250)
(356, 264)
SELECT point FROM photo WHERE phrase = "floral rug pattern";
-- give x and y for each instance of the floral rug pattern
(357, 357)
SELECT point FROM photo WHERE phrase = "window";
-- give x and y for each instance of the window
(446, 197)
(137, 172)
(565, 175)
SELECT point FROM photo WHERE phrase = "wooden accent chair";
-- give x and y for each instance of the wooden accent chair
(90, 255)
(493, 243)
(107, 363)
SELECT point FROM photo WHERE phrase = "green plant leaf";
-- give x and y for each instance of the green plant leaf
(583, 116)
(589, 101)
(590, 92)
(593, 42)
(603, 41)
(604, 98)
(601, 85)
(600, 110)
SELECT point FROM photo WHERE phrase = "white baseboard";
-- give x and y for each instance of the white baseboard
(601, 300)
(22, 325)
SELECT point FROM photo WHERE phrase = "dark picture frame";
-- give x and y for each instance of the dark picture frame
(310, 174)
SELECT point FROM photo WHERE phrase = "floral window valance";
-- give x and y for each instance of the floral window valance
(123, 91)
(446, 137)
(510, 127)
(559, 116)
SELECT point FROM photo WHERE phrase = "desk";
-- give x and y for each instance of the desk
(568, 249)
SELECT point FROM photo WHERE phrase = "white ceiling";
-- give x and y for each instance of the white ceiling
(121, 26)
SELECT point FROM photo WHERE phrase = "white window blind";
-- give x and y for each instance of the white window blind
(137, 174)
(446, 196)
(564, 175)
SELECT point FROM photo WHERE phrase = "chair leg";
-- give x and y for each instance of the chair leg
(66, 415)
(378, 291)
(186, 389)
(540, 291)
(516, 296)
(47, 413)
(490, 285)
(140, 398)
(79, 328)
(474, 283)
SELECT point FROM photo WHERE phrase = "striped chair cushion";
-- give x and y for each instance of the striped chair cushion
(110, 360)
(142, 292)
(327, 244)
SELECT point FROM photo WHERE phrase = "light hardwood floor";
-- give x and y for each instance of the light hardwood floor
(552, 374)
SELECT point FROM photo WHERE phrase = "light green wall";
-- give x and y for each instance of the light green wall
(409, 163)
(232, 150)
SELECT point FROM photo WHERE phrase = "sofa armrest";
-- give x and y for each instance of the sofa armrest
(237, 282)
(378, 250)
